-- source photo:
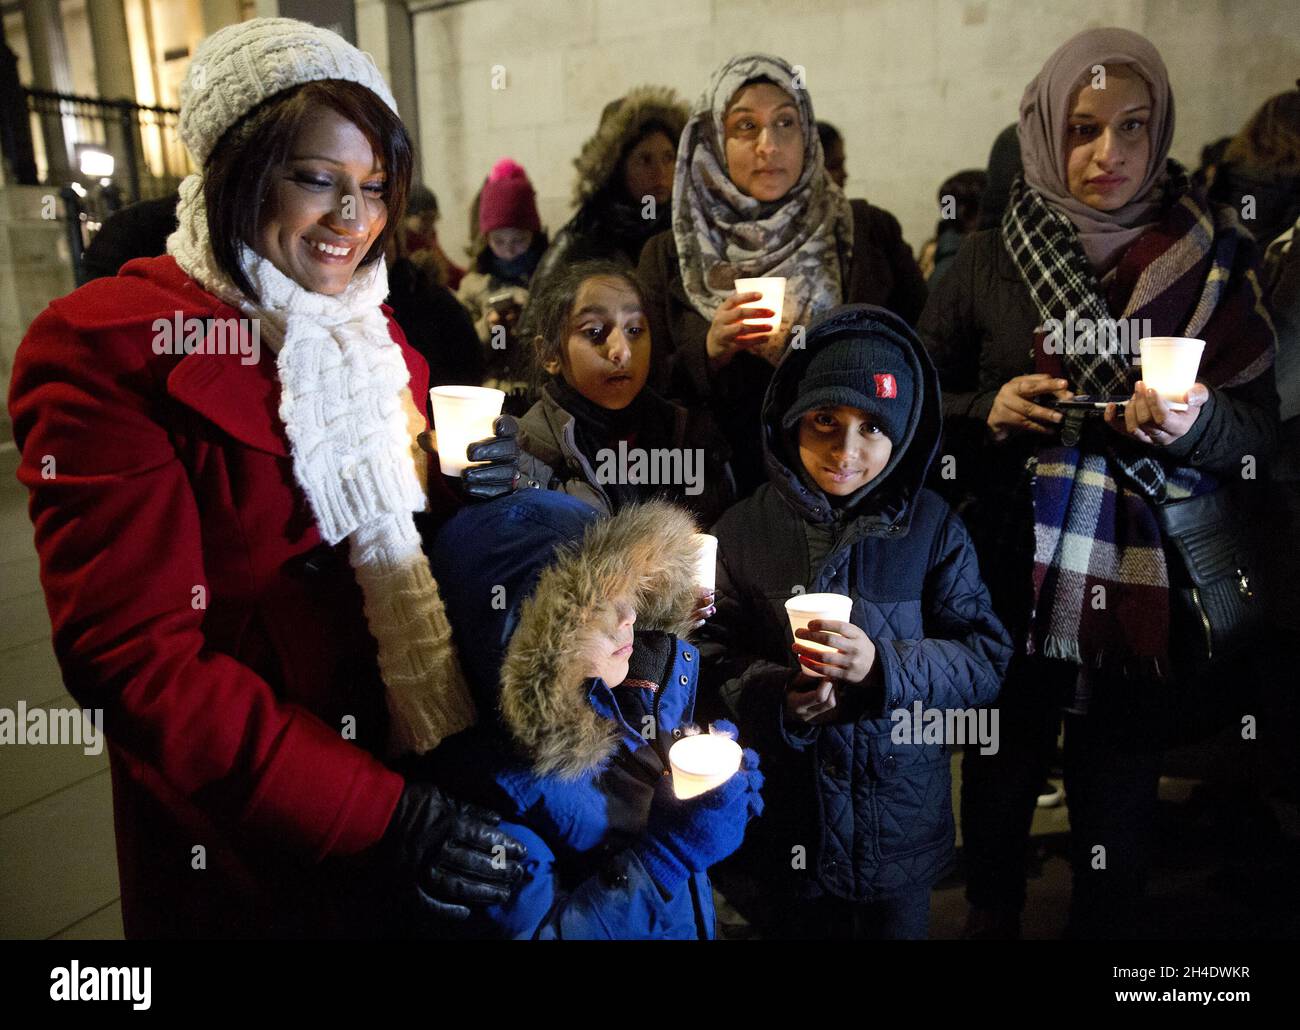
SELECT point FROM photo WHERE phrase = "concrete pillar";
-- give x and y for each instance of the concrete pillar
(384, 32)
(113, 77)
(49, 57)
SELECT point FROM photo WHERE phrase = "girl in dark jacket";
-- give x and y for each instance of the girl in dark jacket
(1101, 226)
(859, 817)
(597, 418)
(752, 198)
(572, 627)
(625, 182)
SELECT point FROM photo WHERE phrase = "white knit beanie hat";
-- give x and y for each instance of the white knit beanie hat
(238, 67)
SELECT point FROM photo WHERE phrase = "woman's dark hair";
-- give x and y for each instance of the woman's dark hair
(241, 170)
(966, 188)
(828, 135)
(1270, 141)
(550, 308)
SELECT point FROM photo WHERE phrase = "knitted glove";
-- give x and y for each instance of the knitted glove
(685, 837)
(500, 475)
(449, 855)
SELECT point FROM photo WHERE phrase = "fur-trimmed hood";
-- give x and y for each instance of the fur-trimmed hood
(523, 579)
(621, 124)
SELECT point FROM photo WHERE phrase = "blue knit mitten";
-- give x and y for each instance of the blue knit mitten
(685, 837)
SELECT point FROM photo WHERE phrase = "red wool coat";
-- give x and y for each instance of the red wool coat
(193, 600)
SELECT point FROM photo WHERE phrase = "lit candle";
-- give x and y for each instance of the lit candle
(803, 608)
(706, 560)
(1169, 366)
(702, 762)
(772, 287)
(462, 415)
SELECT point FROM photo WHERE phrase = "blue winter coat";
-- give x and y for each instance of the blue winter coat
(568, 762)
(868, 816)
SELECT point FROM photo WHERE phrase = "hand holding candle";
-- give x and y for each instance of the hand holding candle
(462, 415)
(706, 560)
(849, 656)
(803, 609)
(1169, 366)
(745, 320)
(701, 762)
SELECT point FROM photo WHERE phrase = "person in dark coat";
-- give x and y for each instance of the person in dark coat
(220, 449)
(1259, 176)
(139, 230)
(625, 183)
(593, 341)
(751, 198)
(508, 246)
(851, 424)
(1004, 166)
(420, 240)
(434, 322)
(1089, 230)
(576, 758)
(963, 192)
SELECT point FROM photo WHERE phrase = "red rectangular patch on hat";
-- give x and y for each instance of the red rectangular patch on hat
(886, 385)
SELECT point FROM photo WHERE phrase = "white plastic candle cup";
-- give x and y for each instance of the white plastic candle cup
(702, 762)
(803, 608)
(462, 415)
(772, 288)
(1169, 366)
(706, 560)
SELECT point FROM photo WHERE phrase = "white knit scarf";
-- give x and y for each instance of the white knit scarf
(342, 378)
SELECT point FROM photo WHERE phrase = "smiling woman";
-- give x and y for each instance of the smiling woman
(315, 180)
(229, 553)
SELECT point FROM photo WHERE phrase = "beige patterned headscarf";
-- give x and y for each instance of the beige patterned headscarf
(722, 234)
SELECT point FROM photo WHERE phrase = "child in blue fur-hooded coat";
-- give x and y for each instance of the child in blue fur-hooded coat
(568, 626)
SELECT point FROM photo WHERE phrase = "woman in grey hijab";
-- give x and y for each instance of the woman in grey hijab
(751, 198)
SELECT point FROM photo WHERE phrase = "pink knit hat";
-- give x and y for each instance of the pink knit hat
(508, 200)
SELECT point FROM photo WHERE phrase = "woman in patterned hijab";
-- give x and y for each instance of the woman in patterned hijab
(754, 198)
(751, 197)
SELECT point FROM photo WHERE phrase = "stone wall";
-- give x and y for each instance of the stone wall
(918, 87)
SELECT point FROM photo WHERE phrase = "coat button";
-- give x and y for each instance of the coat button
(890, 762)
(614, 877)
(683, 680)
(895, 700)
(677, 732)
(688, 656)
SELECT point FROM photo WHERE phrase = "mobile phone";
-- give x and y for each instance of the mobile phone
(502, 301)
(1088, 402)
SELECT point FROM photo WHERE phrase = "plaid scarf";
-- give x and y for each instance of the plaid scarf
(1101, 583)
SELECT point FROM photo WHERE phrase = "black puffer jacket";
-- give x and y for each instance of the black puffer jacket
(882, 271)
(979, 329)
(873, 815)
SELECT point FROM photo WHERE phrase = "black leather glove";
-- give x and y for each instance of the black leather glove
(451, 853)
(500, 475)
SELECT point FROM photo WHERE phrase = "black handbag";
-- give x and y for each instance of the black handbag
(1216, 606)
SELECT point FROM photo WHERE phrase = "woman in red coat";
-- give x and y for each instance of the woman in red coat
(220, 449)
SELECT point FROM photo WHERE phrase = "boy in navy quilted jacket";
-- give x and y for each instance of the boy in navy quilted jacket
(858, 823)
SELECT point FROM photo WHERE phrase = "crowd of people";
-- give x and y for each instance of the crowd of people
(380, 700)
